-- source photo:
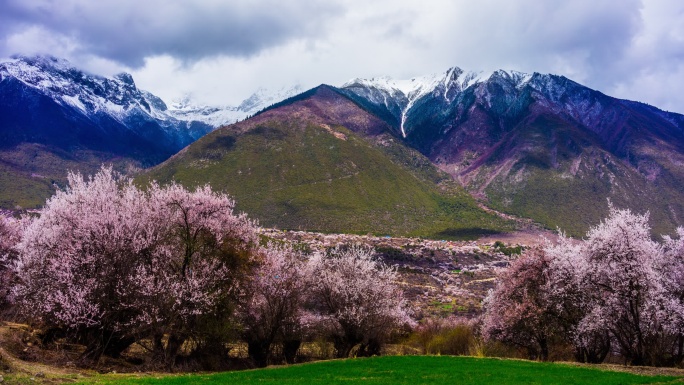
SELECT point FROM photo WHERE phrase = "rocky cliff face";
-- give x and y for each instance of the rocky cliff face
(538, 145)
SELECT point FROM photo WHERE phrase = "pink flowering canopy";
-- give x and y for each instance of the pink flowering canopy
(105, 255)
(616, 291)
(10, 232)
(357, 297)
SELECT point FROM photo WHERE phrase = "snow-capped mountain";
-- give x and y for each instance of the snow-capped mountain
(55, 117)
(111, 104)
(422, 105)
(88, 93)
(217, 116)
(48, 100)
(400, 96)
(263, 98)
(535, 144)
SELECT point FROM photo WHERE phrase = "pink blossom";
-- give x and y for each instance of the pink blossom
(10, 232)
(109, 260)
(357, 297)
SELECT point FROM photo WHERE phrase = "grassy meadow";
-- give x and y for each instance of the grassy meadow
(404, 370)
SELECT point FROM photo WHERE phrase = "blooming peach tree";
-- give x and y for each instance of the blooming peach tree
(273, 307)
(108, 263)
(624, 286)
(357, 299)
(198, 271)
(9, 237)
(520, 310)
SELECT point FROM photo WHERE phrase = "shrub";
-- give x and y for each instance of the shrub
(451, 336)
(507, 250)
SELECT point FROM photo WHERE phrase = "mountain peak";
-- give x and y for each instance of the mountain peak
(125, 78)
(418, 86)
(398, 97)
(185, 108)
(92, 94)
(44, 62)
(518, 78)
(89, 99)
(264, 97)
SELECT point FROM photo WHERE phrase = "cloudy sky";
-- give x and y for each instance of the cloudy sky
(222, 51)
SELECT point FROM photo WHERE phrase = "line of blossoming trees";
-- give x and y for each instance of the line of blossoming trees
(617, 291)
(107, 264)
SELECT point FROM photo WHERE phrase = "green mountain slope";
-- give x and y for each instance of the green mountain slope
(323, 163)
(30, 172)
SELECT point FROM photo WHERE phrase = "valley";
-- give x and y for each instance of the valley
(444, 181)
(341, 192)
(440, 278)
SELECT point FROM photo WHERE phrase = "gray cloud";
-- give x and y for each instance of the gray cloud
(582, 36)
(224, 50)
(128, 31)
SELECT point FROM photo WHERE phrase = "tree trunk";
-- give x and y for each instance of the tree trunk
(343, 346)
(543, 349)
(258, 351)
(370, 348)
(173, 347)
(158, 345)
(106, 342)
(290, 348)
(116, 346)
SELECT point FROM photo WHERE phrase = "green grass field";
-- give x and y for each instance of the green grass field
(406, 370)
(30, 173)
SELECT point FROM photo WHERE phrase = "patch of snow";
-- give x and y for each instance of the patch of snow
(216, 116)
(74, 101)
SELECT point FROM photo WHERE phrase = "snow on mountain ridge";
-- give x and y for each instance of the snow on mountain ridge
(263, 98)
(92, 94)
(120, 98)
(419, 86)
(217, 116)
(404, 94)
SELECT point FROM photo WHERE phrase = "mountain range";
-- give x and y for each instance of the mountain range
(427, 156)
(537, 145)
(318, 161)
(54, 117)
